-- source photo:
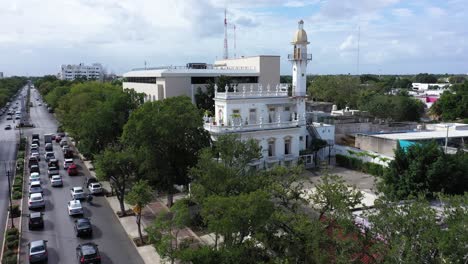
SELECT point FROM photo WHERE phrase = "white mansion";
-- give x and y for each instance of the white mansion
(269, 115)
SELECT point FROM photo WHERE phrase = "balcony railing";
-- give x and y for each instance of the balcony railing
(300, 56)
(217, 128)
(253, 91)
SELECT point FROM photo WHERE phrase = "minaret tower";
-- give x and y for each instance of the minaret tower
(299, 60)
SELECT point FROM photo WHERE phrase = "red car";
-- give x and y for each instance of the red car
(72, 170)
(58, 139)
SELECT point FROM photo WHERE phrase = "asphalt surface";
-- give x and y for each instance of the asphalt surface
(8, 147)
(108, 234)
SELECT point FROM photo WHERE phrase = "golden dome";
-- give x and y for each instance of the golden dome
(300, 37)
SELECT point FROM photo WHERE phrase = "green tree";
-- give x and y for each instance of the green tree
(167, 135)
(204, 99)
(119, 167)
(140, 195)
(342, 90)
(425, 78)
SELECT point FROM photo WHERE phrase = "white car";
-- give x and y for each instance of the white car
(36, 154)
(75, 208)
(35, 187)
(36, 200)
(56, 180)
(49, 155)
(67, 163)
(35, 176)
(77, 193)
(34, 146)
(95, 188)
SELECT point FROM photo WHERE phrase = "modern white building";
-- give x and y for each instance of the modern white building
(163, 82)
(72, 71)
(269, 115)
(428, 86)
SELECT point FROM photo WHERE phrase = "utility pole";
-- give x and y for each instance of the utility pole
(446, 138)
(11, 204)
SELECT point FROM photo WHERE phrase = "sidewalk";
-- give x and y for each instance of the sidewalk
(149, 214)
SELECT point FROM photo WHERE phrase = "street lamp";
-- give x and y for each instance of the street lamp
(7, 170)
(446, 137)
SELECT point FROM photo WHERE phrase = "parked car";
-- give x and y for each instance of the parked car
(35, 176)
(72, 170)
(89, 180)
(35, 187)
(67, 163)
(52, 171)
(56, 181)
(68, 154)
(34, 168)
(63, 142)
(49, 147)
(95, 188)
(77, 193)
(36, 200)
(38, 251)
(88, 253)
(83, 227)
(74, 207)
(35, 220)
(7, 127)
(49, 155)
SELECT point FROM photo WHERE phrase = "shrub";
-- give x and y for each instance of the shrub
(20, 155)
(12, 244)
(8, 253)
(9, 260)
(15, 211)
(12, 231)
(357, 164)
(11, 237)
(17, 195)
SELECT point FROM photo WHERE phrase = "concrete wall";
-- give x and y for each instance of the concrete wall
(176, 86)
(344, 129)
(379, 145)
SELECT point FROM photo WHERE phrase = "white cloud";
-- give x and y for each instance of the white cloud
(348, 44)
(402, 12)
(436, 11)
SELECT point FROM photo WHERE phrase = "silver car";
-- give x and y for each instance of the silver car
(36, 200)
(38, 251)
(56, 181)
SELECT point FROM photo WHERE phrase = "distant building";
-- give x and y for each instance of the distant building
(430, 86)
(72, 71)
(1, 75)
(163, 82)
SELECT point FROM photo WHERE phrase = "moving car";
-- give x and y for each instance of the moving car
(34, 146)
(72, 170)
(38, 251)
(63, 142)
(34, 149)
(49, 147)
(34, 168)
(33, 159)
(68, 154)
(75, 208)
(7, 127)
(88, 253)
(36, 154)
(36, 200)
(35, 187)
(83, 227)
(35, 141)
(89, 180)
(52, 171)
(57, 139)
(49, 155)
(36, 220)
(95, 188)
(67, 163)
(56, 181)
(35, 176)
(77, 193)
(53, 163)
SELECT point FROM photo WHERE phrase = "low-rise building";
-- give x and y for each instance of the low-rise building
(72, 71)
(162, 82)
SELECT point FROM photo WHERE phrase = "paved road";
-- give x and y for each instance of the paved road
(8, 147)
(113, 242)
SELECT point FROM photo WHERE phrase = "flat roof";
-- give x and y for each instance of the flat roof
(191, 73)
(422, 135)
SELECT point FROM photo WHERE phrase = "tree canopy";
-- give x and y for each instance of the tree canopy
(452, 104)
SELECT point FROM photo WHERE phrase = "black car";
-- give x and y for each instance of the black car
(34, 168)
(53, 163)
(36, 220)
(83, 227)
(88, 253)
(8, 127)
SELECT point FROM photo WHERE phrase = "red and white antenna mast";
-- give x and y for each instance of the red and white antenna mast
(226, 54)
(235, 49)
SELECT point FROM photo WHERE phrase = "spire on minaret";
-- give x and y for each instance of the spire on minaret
(299, 59)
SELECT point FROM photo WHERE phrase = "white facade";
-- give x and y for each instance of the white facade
(71, 72)
(426, 86)
(163, 82)
(267, 114)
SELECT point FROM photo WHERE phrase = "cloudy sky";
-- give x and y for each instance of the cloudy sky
(396, 36)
